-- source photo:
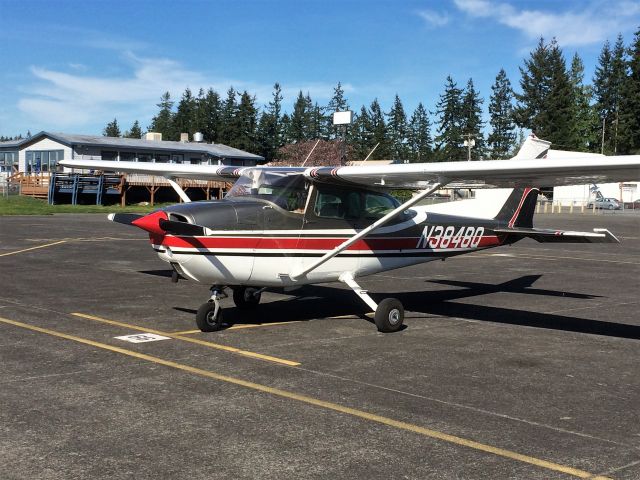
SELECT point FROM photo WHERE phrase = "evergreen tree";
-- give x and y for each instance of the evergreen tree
(397, 128)
(449, 139)
(317, 122)
(609, 77)
(183, 120)
(361, 138)
(546, 103)
(502, 138)
(535, 82)
(270, 126)
(560, 103)
(163, 121)
(420, 141)
(298, 128)
(379, 131)
(245, 124)
(338, 103)
(472, 124)
(629, 129)
(286, 127)
(584, 115)
(228, 113)
(135, 132)
(112, 129)
(209, 116)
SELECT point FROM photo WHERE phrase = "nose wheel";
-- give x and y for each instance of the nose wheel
(209, 315)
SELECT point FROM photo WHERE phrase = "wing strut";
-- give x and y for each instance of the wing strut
(378, 223)
(181, 193)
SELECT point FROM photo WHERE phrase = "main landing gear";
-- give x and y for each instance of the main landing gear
(209, 315)
(389, 313)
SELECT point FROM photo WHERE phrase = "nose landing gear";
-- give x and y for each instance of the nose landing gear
(209, 315)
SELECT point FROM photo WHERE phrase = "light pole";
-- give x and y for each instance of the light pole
(469, 143)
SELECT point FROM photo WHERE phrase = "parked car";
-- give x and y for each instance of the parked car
(605, 203)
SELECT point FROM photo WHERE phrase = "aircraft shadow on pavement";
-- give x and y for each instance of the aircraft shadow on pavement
(323, 301)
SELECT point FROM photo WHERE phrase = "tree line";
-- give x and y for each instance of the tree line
(553, 101)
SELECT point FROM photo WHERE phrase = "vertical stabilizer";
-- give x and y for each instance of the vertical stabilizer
(519, 208)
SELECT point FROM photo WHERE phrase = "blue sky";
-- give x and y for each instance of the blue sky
(72, 66)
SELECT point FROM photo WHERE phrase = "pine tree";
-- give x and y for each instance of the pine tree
(112, 129)
(135, 132)
(535, 82)
(228, 113)
(420, 141)
(608, 80)
(361, 137)
(245, 124)
(298, 129)
(338, 103)
(472, 124)
(183, 120)
(546, 103)
(560, 129)
(397, 129)
(270, 126)
(584, 116)
(163, 121)
(629, 129)
(209, 116)
(379, 134)
(449, 139)
(501, 140)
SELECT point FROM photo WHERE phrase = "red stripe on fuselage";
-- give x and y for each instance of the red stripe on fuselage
(293, 243)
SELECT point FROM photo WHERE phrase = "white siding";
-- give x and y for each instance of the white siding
(43, 144)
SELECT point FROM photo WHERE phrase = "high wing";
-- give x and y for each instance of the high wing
(534, 165)
(169, 170)
(574, 170)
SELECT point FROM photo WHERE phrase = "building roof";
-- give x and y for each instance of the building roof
(211, 149)
(10, 144)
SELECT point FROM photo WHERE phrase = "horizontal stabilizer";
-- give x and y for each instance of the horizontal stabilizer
(599, 235)
(125, 218)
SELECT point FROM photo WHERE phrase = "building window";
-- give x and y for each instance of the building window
(127, 157)
(108, 155)
(38, 161)
(144, 157)
(176, 158)
(162, 158)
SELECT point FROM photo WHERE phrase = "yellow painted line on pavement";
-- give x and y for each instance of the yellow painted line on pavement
(179, 336)
(33, 248)
(427, 432)
(241, 326)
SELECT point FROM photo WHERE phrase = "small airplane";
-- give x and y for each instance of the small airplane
(290, 226)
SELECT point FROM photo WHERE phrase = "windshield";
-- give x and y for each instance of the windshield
(288, 191)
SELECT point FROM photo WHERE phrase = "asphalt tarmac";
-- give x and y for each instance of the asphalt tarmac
(521, 362)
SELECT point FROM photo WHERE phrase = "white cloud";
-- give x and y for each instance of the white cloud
(434, 19)
(593, 23)
(77, 99)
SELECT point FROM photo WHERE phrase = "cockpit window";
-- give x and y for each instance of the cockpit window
(288, 191)
(339, 202)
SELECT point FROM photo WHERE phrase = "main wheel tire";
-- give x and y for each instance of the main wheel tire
(246, 298)
(610, 207)
(207, 320)
(389, 315)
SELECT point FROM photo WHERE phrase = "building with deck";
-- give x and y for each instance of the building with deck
(34, 162)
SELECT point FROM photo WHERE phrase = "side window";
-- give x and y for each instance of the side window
(329, 205)
(377, 205)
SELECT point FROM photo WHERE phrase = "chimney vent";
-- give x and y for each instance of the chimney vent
(184, 137)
